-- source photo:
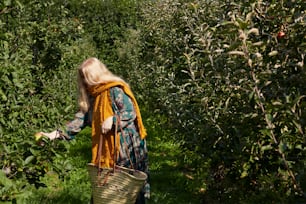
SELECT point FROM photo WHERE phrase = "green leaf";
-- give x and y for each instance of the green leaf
(269, 117)
(19, 4)
(246, 168)
(266, 147)
(28, 160)
(282, 147)
(68, 108)
(4, 180)
(299, 146)
(242, 24)
(3, 96)
(34, 152)
(7, 2)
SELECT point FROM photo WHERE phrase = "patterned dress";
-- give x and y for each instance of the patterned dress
(132, 147)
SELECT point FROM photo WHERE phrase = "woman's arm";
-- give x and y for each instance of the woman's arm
(79, 122)
(70, 130)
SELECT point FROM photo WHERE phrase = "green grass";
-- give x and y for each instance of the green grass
(168, 174)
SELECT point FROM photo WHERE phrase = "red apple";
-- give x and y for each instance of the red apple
(281, 34)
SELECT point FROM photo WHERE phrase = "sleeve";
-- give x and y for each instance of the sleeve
(80, 121)
(122, 106)
(76, 125)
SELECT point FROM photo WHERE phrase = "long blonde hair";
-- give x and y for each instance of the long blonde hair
(90, 73)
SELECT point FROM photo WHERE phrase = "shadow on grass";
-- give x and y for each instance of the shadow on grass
(74, 189)
(80, 148)
(169, 176)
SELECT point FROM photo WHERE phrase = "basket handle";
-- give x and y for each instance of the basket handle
(125, 144)
(115, 147)
(99, 154)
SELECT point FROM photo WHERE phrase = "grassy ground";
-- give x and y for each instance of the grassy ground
(169, 178)
(167, 173)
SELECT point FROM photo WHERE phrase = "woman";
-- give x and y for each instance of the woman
(104, 98)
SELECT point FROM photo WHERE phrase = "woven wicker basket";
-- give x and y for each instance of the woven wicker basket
(119, 187)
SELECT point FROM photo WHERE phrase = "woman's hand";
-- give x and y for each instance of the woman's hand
(52, 135)
(107, 124)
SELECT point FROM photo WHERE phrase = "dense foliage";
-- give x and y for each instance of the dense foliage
(229, 77)
(39, 49)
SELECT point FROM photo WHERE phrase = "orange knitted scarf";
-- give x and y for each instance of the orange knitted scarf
(102, 109)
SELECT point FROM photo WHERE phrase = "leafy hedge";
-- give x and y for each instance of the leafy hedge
(33, 90)
(230, 76)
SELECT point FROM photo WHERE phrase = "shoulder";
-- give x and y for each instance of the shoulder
(116, 90)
